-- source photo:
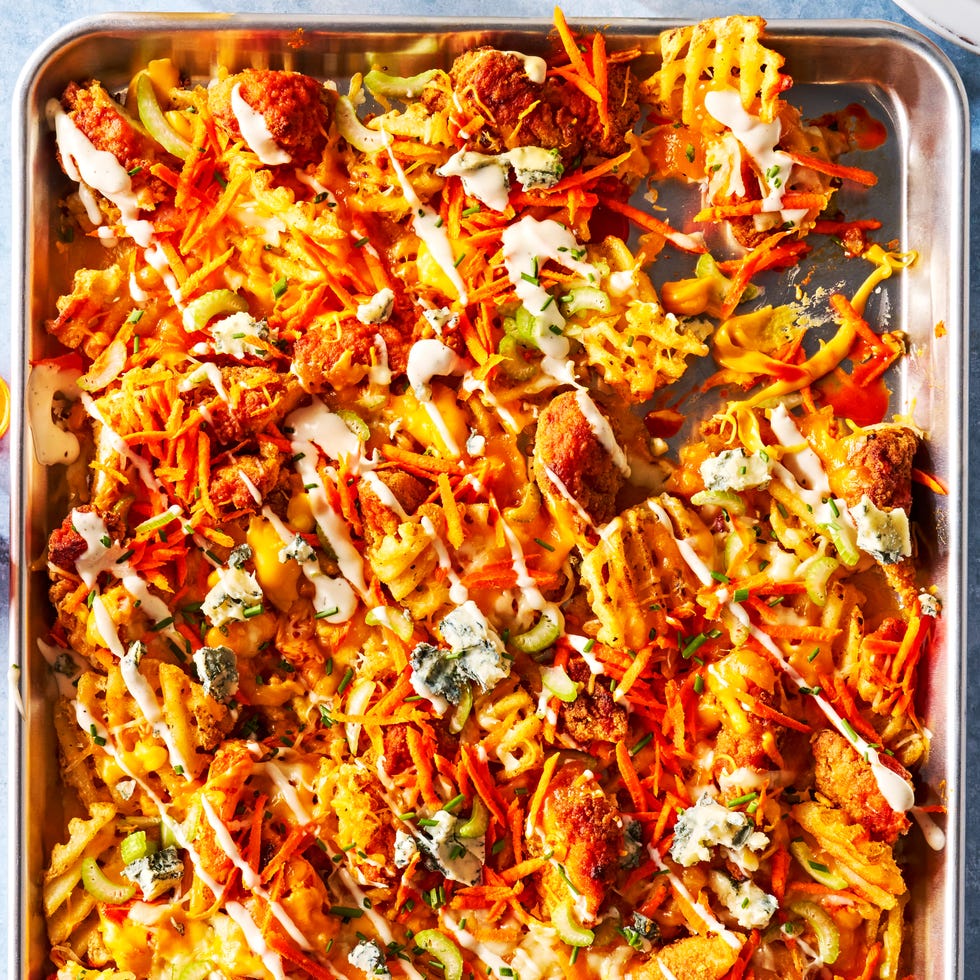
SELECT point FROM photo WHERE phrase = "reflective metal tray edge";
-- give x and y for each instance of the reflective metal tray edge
(916, 85)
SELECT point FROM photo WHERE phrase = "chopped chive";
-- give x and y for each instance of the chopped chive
(849, 729)
(588, 646)
(279, 287)
(125, 556)
(533, 280)
(454, 802)
(498, 846)
(818, 866)
(324, 613)
(345, 682)
(747, 798)
(693, 644)
(642, 743)
(813, 656)
(544, 544)
(254, 611)
(833, 507)
(740, 595)
(163, 624)
(458, 260)
(471, 210)
(698, 683)
(361, 242)
(135, 317)
(720, 577)
(407, 815)
(346, 912)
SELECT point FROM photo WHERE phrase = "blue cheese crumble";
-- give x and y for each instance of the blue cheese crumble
(884, 534)
(368, 956)
(747, 902)
(475, 654)
(217, 667)
(235, 592)
(457, 858)
(239, 336)
(405, 849)
(299, 549)
(735, 469)
(156, 873)
(378, 308)
(710, 824)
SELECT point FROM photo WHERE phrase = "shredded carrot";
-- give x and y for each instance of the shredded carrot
(479, 773)
(855, 174)
(630, 779)
(422, 760)
(426, 464)
(930, 480)
(537, 800)
(454, 523)
(649, 223)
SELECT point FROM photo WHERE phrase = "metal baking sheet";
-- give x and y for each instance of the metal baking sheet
(921, 197)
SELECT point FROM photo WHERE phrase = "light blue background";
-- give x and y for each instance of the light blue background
(23, 26)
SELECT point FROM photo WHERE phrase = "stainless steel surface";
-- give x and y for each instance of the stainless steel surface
(921, 198)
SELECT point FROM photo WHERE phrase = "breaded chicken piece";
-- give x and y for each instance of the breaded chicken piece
(879, 464)
(379, 518)
(258, 397)
(584, 828)
(107, 127)
(335, 353)
(553, 114)
(294, 106)
(567, 444)
(228, 490)
(847, 780)
(66, 545)
(693, 958)
(594, 716)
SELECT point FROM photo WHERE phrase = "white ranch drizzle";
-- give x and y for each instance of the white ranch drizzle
(329, 593)
(468, 941)
(282, 782)
(305, 455)
(52, 443)
(602, 430)
(535, 68)
(100, 171)
(255, 131)
(527, 244)
(472, 385)
(458, 592)
(157, 259)
(211, 371)
(380, 373)
(705, 914)
(52, 655)
(896, 790)
(238, 912)
(567, 495)
(250, 878)
(759, 140)
(117, 444)
(931, 831)
(428, 226)
(427, 359)
(98, 556)
(383, 492)
(665, 970)
(525, 582)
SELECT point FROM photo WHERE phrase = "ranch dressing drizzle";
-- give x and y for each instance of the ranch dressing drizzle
(100, 171)
(378, 921)
(525, 582)
(52, 443)
(255, 131)
(110, 439)
(305, 455)
(759, 140)
(238, 912)
(427, 359)
(602, 430)
(250, 877)
(428, 226)
(894, 788)
(527, 244)
(458, 592)
(567, 495)
(468, 941)
(332, 595)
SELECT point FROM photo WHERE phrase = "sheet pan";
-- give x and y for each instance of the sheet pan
(922, 196)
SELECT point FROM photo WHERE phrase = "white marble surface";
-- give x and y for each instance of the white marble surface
(25, 25)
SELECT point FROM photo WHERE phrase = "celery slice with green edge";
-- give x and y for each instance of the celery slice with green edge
(822, 926)
(814, 868)
(559, 683)
(543, 633)
(477, 824)
(398, 86)
(514, 364)
(463, 710)
(136, 846)
(354, 131)
(101, 888)
(816, 575)
(197, 970)
(726, 499)
(569, 930)
(217, 302)
(355, 423)
(585, 298)
(444, 950)
(153, 118)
